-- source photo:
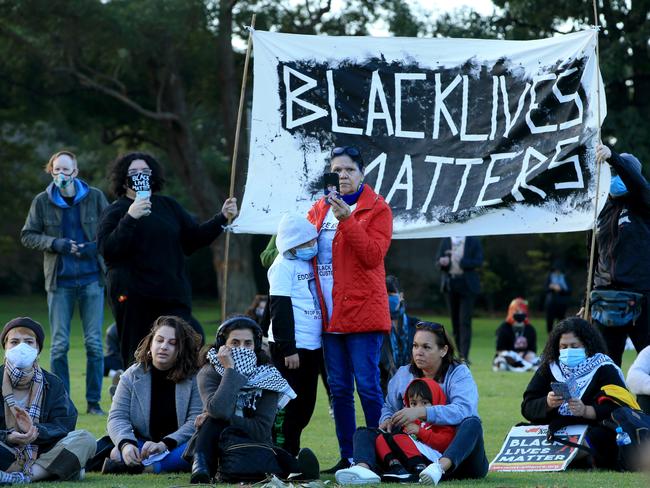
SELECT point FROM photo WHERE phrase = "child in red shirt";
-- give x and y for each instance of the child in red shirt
(403, 455)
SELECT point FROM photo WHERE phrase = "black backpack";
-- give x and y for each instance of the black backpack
(242, 459)
(637, 425)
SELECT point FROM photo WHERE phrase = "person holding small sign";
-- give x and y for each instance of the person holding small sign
(355, 226)
(577, 383)
(144, 238)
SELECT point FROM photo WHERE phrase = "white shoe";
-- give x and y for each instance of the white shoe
(431, 474)
(356, 475)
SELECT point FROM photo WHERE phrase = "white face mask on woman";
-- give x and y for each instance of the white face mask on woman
(21, 356)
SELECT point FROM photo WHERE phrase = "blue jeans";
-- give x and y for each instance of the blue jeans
(466, 451)
(172, 462)
(61, 304)
(350, 358)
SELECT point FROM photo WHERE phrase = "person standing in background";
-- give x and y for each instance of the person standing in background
(558, 292)
(459, 259)
(62, 222)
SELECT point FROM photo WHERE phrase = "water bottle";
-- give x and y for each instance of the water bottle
(622, 437)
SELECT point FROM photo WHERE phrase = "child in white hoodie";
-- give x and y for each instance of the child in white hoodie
(296, 325)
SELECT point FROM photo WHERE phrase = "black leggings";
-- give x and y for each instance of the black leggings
(207, 443)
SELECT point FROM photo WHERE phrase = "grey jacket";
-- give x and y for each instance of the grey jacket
(458, 386)
(219, 396)
(128, 418)
(43, 226)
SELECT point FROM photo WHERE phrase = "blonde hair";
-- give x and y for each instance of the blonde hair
(48, 167)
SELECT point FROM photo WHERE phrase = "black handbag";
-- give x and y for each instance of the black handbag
(614, 308)
(243, 459)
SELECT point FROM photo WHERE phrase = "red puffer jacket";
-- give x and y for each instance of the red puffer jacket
(360, 300)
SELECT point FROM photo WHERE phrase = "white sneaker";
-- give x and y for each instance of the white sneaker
(431, 474)
(356, 475)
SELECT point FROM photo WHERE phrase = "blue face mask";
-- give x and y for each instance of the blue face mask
(393, 305)
(617, 188)
(307, 253)
(572, 356)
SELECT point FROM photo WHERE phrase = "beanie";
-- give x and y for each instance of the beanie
(27, 323)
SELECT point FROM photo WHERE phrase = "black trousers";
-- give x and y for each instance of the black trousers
(554, 311)
(207, 443)
(135, 316)
(639, 332)
(304, 381)
(461, 307)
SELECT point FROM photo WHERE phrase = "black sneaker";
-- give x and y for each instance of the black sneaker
(395, 474)
(94, 409)
(342, 464)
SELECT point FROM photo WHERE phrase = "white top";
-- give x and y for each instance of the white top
(457, 252)
(325, 265)
(638, 377)
(294, 278)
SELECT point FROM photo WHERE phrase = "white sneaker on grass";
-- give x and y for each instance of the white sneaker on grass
(431, 474)
(356, 475)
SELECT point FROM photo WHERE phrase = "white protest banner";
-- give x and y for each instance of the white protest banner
(526, 449)
(461, 136)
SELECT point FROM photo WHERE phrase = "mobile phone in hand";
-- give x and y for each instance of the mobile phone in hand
(142, 194)
(561, 390)
(331, 183)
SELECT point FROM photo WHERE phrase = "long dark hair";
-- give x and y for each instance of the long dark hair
(120, 167)
(588, 334)
(188, 342)
(442, 340)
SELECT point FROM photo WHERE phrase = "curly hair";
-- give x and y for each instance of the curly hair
(442, 340)
(588, 334)
(120, 167)
(188, 342)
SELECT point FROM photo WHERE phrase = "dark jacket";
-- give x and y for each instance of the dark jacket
(147, 255)
(58, 414)
(468, 282)
(43, 226)
(506, 337)
(534, 406)
(624, 233)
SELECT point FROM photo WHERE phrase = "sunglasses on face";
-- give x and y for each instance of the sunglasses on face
(65, 172)
(133, 172)
(351, 151)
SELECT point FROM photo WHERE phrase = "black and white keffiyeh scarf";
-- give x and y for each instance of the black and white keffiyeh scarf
(265, 377)
(582, 374)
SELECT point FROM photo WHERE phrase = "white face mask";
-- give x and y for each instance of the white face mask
(22, 356)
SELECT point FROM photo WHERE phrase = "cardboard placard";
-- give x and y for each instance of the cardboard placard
(526, 449)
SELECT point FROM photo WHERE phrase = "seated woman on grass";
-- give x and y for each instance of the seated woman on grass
(241, 389)
(516, 340)
(433, 357)
(164, 376)
(575, 355)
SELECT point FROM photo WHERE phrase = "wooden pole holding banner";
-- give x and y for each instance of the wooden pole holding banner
(233, 166)
(590, 273)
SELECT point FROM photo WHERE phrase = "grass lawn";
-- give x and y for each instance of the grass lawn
(500, 398)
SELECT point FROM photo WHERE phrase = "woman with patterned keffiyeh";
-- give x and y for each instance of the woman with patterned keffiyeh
(240, 388)
(37, 418)
(575, 356)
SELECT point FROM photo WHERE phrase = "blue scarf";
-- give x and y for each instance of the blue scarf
(352, 199)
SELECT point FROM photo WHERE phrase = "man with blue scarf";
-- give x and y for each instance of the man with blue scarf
(62, 222)
(622, 236)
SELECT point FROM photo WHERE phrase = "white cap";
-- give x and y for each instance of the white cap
(293, 231)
